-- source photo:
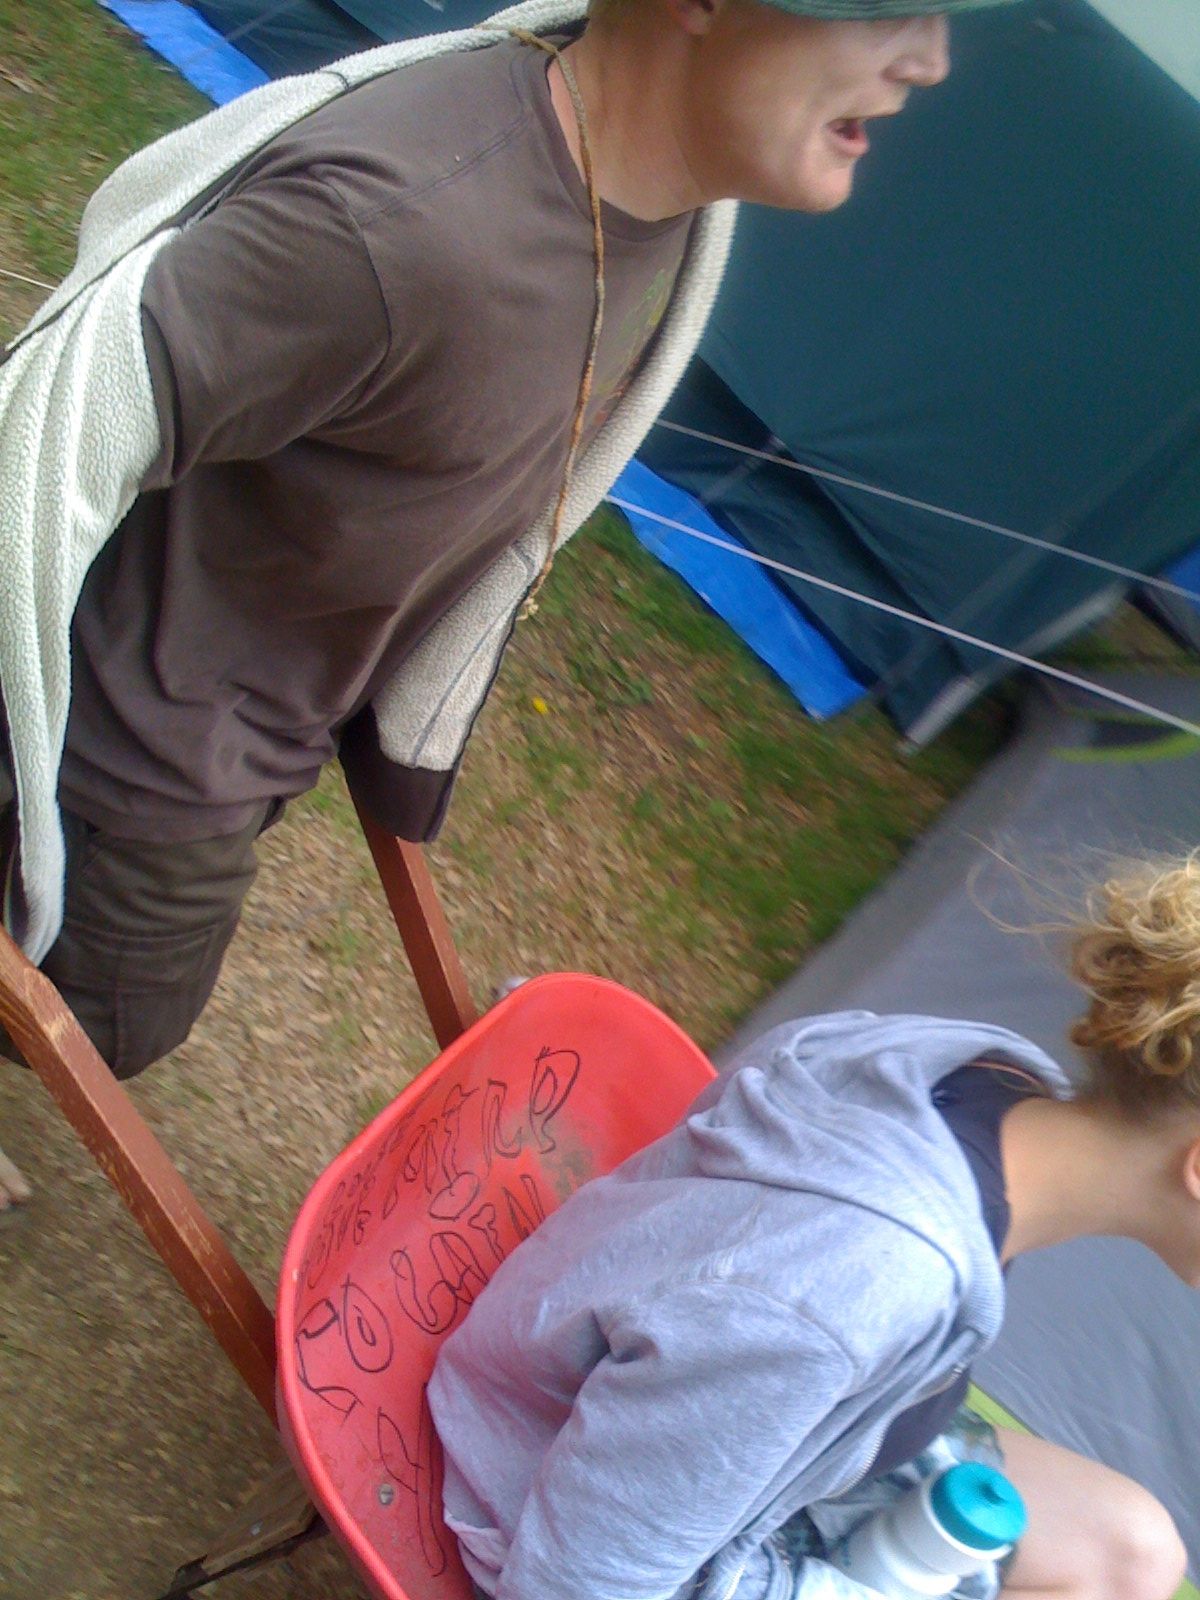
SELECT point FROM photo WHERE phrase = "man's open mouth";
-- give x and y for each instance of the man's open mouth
(851, 134)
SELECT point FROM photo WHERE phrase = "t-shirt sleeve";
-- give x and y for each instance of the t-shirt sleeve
(263, 321)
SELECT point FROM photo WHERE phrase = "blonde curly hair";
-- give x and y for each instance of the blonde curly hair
(1136, 951)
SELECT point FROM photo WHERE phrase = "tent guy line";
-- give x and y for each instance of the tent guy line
(1155, 713)
(21, 278)
(880, 605)
(1119, 571)
(258, 21)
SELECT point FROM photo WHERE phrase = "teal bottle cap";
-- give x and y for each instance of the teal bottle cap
(978, 1506)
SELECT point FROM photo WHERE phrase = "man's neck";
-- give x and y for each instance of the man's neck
(633, 135)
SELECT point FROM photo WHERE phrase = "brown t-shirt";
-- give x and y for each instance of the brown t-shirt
(366, 362)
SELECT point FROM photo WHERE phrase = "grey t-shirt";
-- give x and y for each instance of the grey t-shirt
(366, 360)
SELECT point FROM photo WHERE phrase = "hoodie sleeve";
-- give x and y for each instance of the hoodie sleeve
(673, 1444)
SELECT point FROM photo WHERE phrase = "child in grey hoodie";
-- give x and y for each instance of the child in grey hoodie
(681, 1381)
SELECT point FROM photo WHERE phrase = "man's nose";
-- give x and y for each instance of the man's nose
(923, 58)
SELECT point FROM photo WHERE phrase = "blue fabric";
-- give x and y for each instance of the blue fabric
(196, 51)
(739, 591)
(1186, 573)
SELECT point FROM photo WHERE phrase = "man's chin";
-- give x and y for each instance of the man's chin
(829, 203)
(814, 192)
(812, 199)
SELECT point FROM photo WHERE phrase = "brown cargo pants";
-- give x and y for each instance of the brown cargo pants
(145, 928)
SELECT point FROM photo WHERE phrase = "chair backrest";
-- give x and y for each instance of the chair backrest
(558, 1083)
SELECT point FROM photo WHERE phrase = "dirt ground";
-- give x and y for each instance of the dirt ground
(125, 1436)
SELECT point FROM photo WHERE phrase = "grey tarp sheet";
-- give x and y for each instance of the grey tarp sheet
(1101, 1345)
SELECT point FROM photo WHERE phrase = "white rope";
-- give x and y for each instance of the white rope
(948, 632)
(1114, 567)
(21, 278)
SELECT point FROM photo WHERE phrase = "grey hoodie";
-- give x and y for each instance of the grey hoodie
(718, 1333)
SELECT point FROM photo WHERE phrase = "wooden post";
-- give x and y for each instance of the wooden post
(276, 1519)
(404, 873)
(135, 1163)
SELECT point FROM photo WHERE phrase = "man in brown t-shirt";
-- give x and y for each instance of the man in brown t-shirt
(365, 360)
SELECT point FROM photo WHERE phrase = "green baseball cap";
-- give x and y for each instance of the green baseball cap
(869, 10)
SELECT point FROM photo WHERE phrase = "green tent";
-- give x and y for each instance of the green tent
(1002, 322)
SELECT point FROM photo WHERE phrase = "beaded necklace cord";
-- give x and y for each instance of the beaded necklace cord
(529, 606)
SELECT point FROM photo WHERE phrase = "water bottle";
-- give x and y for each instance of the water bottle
(936, 1534)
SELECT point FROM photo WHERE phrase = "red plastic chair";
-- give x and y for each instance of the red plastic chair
(559, 1082)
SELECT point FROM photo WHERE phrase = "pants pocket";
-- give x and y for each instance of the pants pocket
(138, 995)
(162, 988)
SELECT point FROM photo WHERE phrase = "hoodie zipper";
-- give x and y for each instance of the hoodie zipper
(733, 1582)
(877, 1437)
(956, 1372)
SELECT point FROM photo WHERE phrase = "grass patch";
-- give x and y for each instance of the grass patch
(77, 93)
(330, 802)
(557, 767)
(733, 832)
(1128, 640)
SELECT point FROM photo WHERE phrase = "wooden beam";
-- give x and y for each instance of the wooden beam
(274, 1521)
(135, 1163)
(409, 887)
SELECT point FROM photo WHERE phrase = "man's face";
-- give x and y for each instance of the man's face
(783, 103)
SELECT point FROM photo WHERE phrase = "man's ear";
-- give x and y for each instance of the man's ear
(1191, 1169)
(694, 16)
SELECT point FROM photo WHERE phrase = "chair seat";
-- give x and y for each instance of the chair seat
(558, 1083)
